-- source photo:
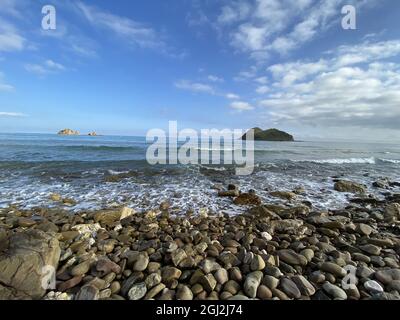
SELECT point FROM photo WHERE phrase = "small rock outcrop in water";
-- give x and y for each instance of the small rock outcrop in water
(93, 134)
(269, 135)
(68, 132)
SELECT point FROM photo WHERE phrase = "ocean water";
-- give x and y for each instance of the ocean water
(33, 166)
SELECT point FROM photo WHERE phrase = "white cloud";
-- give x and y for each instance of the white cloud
(5, 86)
(262, 89)
(236, 11)
(47, 67)
(262, 80)
(262, 27)
(241, 106)
(194, 86)
(232, 96)
(10, 39)
(363, 91)
(129, 30)
(214, 78)
(12, 114)
(10, 7)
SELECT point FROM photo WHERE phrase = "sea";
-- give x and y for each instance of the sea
(34, 166)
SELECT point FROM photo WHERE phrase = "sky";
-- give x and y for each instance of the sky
(125, 67)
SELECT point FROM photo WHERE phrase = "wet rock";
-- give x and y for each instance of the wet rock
(349, 186)
(284, 195)
(247, 199)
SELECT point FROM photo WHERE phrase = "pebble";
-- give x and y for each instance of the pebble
(137, 291)
(290, 288)
(371, 249)
(170, 273)
(232, 287)
(141, 262)
(208, 282)
(81, 268)
(373, 287)
(264, 293)
(270, 281)
(305, 287)
(292, 258)
(88, 292)
(251, 283)
(221, 276)
(334, 269)
(184, 293)
(154, 291)
(334, 291)
(178, 256)
(387, 276)
(152, 280)
(257, 263)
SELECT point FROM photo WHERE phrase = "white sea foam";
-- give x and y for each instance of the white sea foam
(390, 160)
(346, 161)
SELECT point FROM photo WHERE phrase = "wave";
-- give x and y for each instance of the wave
(345, 161)
(355, 161)
(100, 148)
(390, 161)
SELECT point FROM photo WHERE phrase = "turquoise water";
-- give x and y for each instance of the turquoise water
(34, 165)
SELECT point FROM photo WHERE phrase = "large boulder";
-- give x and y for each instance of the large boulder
(27, 264)
(349, 186)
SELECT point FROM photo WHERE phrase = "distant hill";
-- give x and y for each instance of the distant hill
(269, 135)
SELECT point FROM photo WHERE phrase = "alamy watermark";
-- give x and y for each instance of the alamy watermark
(49, 21)
(207, 146)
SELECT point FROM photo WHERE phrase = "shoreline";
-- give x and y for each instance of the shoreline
(271, 252)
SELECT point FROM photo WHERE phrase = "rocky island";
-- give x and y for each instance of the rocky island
(269, 135)
(68, 132)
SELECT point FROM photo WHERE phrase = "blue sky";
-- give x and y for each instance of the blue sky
(124, 67)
